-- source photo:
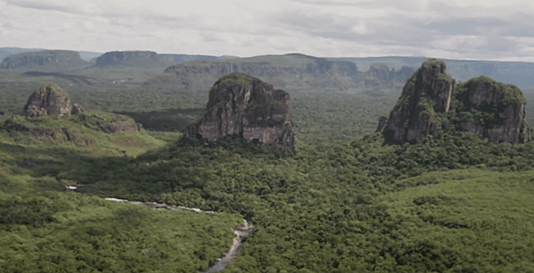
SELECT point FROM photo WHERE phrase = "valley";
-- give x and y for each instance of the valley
(343, 200)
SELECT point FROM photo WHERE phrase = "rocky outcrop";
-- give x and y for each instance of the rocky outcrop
(77, 109)
(482, 106)
(129, 58)
(48, 100)
(426, 93)
(241, 106)
(42, 58)
(491, 110)
(117, 124)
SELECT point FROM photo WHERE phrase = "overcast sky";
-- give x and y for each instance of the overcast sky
(456, 29)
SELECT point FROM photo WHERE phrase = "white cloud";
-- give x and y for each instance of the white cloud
(446, 29)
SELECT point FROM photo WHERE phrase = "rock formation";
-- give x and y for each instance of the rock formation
(482, 106)
(117, 124)
(129, 58)
(241, 106)
(491, 110)
(426, 93)
(42, 58)
(77, 109)
(48, 100)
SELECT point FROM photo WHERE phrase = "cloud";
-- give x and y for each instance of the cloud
(444, 29)
(518, 25)
(41, 5)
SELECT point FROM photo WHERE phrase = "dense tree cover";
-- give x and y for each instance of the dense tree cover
(53, 231)
(452, 203)
(352, 207)
(45, 229)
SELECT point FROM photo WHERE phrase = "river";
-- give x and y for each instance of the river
(242, 231)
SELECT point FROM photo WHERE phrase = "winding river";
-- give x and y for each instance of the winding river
(242, 231)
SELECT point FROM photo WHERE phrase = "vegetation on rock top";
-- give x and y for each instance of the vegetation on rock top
(237, 78)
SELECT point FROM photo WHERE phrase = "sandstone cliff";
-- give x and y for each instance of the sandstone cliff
(48, 100)
(491, 110)
(430, 102)
(42, 58)
(426, 93)
(129, 58)
(241, 106)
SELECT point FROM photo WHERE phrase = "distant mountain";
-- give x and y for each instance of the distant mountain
(6, 51)
(180, 58)
(517, 73)
(148, 59)
(130, 58)
(45, 58)
(368, 69)
(294, 72)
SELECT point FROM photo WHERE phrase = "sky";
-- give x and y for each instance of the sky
(453, 29)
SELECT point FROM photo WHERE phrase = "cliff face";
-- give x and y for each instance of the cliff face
(241, 106)
(42, 58)
(48, 100)
(491, 110)
(426, 93)
(129, 58)
(482, 106)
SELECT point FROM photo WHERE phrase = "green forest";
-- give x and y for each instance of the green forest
(343, 202)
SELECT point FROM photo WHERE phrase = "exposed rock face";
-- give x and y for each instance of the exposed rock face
(382, 121)
(48, 100)
(482, 106)
(492, 110)
(129, 58)
(78, 109)
(42, 58)
(241, 106)
(428, 91)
